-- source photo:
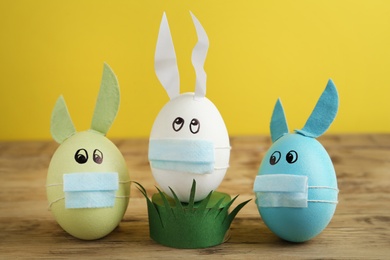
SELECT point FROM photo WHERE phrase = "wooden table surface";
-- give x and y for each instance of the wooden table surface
(360, 227)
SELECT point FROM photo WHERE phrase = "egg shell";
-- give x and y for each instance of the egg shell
(212, 128)
(87, 223)
(301, 224)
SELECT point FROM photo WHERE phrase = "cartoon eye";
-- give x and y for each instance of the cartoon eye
(97, 156)
(292, 156)
(81, 156)
(194, 126)
(178, 124)
(275, 157)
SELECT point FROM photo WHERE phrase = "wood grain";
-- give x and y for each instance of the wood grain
(360, 228)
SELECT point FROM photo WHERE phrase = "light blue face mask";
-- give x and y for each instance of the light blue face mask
(288, 190)
(90, 189)
(184, 155)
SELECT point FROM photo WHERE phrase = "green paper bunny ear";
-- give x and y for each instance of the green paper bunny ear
(323, 114)
(278, 124)
(107, 104)
(61, 125)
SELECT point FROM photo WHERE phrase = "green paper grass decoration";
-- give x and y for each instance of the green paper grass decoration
(190, 225)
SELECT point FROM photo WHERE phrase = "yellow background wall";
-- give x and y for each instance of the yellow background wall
(259, 51)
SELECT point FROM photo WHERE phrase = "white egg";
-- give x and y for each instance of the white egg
(197, 119)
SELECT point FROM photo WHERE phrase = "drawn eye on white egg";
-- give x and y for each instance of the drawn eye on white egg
(189, 140)
(88, 181)
(296, 186)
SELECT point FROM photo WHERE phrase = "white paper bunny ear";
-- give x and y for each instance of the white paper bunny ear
(165, 64)
(199, 54)
(61, 125)
(278, 124)
(107, 103)
(323, 114)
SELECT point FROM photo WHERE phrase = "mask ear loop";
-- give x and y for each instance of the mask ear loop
(324, 201)
(222, 148)
(123, 197)
(53, 185)
(51, 203)
(323, 187)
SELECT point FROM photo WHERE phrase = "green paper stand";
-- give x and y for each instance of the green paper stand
(199, 224)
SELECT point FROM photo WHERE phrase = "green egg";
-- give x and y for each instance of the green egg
(87, 223)
(88, 184)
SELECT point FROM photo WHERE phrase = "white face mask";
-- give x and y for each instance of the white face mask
(287, 190)
(90, 189)
(185, 155)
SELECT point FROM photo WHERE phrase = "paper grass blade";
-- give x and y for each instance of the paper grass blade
(190, 225)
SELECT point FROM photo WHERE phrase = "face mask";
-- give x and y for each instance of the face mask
(90, 189)
(185, 155)
(287, 190)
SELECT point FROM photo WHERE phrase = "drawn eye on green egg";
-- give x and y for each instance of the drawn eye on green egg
(88, 181)
(189, 140)
(296, 186)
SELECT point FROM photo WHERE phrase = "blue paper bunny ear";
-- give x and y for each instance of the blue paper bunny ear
(278, 124)
(323, 114)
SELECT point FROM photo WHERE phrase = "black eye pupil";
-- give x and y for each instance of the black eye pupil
(177, 124)
(275, 157)
(81, 156)
(97, 158)
(194, 122)
(292, 156)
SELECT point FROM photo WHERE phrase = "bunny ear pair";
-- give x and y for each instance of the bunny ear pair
(106, 108)
(319, 121)
(165, 63)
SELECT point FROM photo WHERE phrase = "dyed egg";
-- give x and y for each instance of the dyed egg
(88, 183)
(88, 153)
(296, 186)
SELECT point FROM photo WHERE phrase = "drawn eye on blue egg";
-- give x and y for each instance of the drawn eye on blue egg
(296, 187)
(189, 140)
(88, 181)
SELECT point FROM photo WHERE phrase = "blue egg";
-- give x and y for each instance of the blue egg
(296, 186)
(295, 223)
